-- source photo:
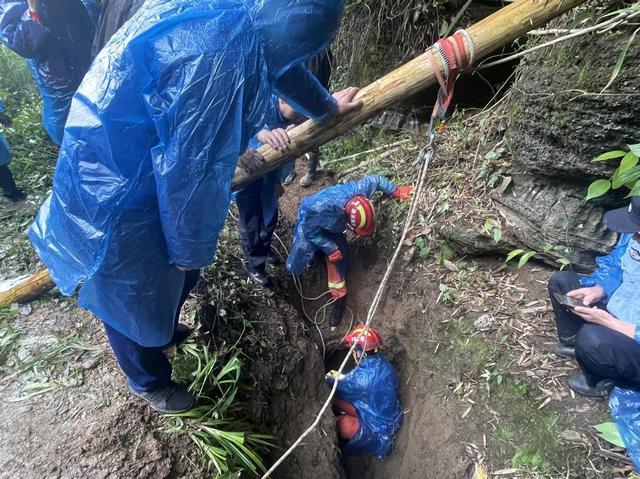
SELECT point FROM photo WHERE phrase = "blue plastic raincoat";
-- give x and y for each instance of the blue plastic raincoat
(372, 388)
(323, 213)
(619, 275)
(5, 149)
(57, 47)
(144, 172)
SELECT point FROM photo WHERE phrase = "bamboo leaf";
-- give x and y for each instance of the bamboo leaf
(598, 188)
(635, 191)
(610, 155)
(513, 254)
(609, 432)
(525, 257)
(621, 58)
(635, 149)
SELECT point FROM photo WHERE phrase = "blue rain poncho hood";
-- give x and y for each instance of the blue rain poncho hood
(144, 173)
(321, 217)
(372, 388)
(57, 49)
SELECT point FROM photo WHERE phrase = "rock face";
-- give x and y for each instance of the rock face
(559, 123)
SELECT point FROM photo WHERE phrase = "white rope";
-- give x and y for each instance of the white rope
(427, 154)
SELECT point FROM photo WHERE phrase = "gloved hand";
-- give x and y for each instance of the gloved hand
(333, 374)
(403, 192)
(335, 256)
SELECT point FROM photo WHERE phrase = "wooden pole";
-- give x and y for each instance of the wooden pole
(496, 30)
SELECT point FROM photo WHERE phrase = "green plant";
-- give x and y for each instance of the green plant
(226, 442)
(627, 173)
(609, 432)
(524, 256)
(493, 228)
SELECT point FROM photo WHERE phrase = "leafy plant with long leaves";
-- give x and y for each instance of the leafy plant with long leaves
(227, 444)
(626, 175)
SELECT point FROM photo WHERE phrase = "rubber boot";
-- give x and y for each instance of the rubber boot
(290, 177)
(336, 314)
(8, 185)
(312, 166)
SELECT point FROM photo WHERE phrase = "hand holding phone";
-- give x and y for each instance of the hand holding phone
(569, 301)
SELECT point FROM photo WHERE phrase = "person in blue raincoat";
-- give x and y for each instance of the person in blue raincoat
(7, 183)
(143, 180)
(602, 334)
(323, 219)
(366, 404)
(258, 201)
(55, 37)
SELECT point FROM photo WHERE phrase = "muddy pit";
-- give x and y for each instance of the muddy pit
(289, 375)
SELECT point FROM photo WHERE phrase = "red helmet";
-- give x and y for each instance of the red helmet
(361, 216)
(367, 339)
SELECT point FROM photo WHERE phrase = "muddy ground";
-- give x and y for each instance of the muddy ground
(68, 414)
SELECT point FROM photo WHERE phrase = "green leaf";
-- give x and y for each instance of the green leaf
(610, 155)
(455, 19)
(598, 188)
(497, 235)
(630, 176)
(629, 161)
(635, 149)
(635, 191)
(621, 58)
(513, 254)
(526, 257)
(609, 432)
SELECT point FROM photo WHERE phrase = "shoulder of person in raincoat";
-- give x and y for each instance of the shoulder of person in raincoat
(372, 388)
(323, 212)
(608, 272)
(19, 31)
(144, 146)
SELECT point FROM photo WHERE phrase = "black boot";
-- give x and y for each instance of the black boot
(312, 167)
(565, 350)
(337, 312)
(8, 185)
(171, 399)
(258, 277)
(578, 382)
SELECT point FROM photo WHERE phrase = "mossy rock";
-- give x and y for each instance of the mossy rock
(560, 121)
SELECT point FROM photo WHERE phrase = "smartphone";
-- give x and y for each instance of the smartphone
(569, 301)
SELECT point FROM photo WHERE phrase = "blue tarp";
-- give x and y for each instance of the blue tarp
(143, 177)
(625, 409)
(58, 50)
(372, 388)
(321, 216)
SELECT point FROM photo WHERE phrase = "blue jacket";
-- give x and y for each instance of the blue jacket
(144, 173)
(58, 50)
(372, 388)
(323, 213)
(5, 149)
(619, 275)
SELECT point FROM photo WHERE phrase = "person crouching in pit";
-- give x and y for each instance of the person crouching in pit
(366, 405)
(321, 226)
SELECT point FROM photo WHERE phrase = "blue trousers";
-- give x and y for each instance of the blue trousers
(258, 218)
(146, 368)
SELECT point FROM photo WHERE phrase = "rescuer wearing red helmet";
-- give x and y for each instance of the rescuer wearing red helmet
(323, 219)
(366, 404)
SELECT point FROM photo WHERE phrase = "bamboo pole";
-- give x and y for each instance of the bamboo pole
(496, 30)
